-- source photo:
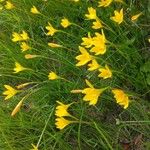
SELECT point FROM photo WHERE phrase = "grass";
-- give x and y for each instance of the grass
(103, 126)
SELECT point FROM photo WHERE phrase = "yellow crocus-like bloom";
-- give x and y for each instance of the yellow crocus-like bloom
(105, 72)
(135, 17)
(61, 110)
(34, 10)
(97, 24)
(24, 46)
(51, 30)
(9, 5)
(53, 76)
(93, 65)
(65, 23)
(121, 97)
(76, 0)
(84, 58)
(18, 68)
(99, 43)
(104, 3)
(91, 94)
(34, 147)
(87, 41)
(62, 123)
(24, 35)
(54, 45)
(10, 92)
(92, 13)
(118, 17)
(16, 37)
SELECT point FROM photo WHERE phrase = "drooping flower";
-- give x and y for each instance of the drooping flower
(99, 43)
(91, 94)
(118, 17)
(24, 46)
(10, 92)
(17, 108)
(34, 10)
(54, 45)
(65, 23)
(105, 72)
(92, 13)
(135, 17)
(30, 56)
(53, 76)
(51, 30)
(24, 36)
(84, 57)
(21, 86)
(121, 98)
(61, 109)
(16, 37)
(104, 3)
(9, 5)
(62, 122)
(35, 147)
(97, 24)
(18, 68)
(93, 65)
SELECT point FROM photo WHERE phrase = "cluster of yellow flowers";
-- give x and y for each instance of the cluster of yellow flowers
(90, 49)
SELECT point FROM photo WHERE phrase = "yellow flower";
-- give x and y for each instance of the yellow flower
(24, 36)
(61, 110)
(51, 30)
(99, 42)
(121, 97)
(10, 92)
(21, 86)
(34, 147)
(65, 23)
(135, 17)
(9, 5)
(87, 41)
(93, 65)
(105, 72)
(34, 10)
(16, 37)
(54, 45)
(91, 94)
(149, 40)
(18, 68)
(92, 13)
(30, 56)
(53, 76)
(24, 46)
(17, 108)
(97, 24)
(84, 58)
(62, 123)
(76, 0)
(118, 17)
(104, 3)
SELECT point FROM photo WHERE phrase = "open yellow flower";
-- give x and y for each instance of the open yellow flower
(24, 36)
(87, 41)
(53, 76)
(16, 37)
(91, 94)
(10, 92)
(54, 45)
(19, 68)
(97, 24)
(51, 30)
(61, 109)
(105, 72)
(35, 147)
(65, 23)
(118, 17)
(61, 123)
(121, 97)
(135, 17)
(84, 58)
(92, 13)
(9, 5)
(93, 65)
(34, 10)
(24, 46)
(104, 3)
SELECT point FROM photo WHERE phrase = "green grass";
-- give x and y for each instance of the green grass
(35, 123)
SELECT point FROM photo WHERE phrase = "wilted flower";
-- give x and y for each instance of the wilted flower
(30, 56)
(54, 45)
(135, 17)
